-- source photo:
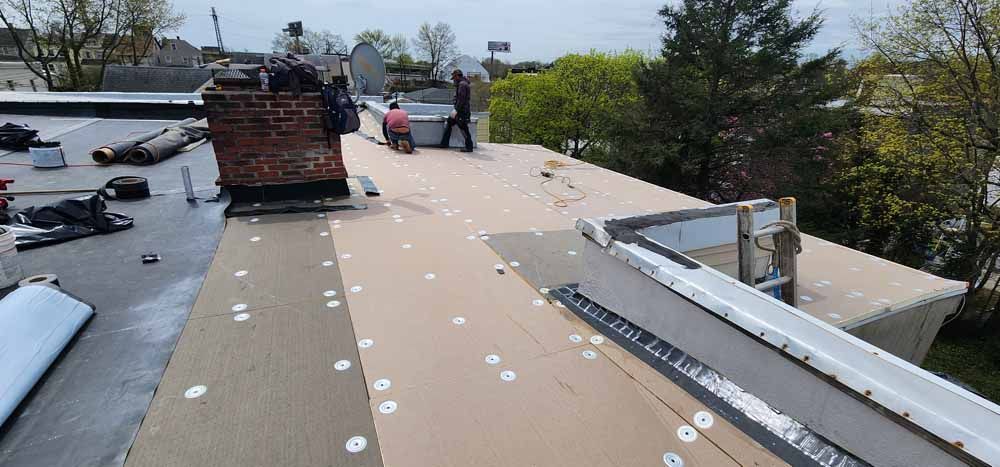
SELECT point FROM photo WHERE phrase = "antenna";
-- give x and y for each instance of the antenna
(218, 34)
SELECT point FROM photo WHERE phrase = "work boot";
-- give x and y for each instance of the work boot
(406, 146)
(394, 146)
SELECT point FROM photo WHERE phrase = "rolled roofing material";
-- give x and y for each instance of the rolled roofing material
(155, 144)
(36, 323)
(167, 143)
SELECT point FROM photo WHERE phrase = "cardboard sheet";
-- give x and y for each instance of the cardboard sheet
(273, 392)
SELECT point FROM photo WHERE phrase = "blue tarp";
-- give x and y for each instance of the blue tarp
(36, 323)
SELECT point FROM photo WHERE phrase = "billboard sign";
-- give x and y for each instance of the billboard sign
(497, 46)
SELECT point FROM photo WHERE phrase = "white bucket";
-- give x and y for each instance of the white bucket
(7, 247)
(10, 269)
(47, 157)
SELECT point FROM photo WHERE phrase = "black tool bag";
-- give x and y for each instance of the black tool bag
(341, 113)
(290, 73)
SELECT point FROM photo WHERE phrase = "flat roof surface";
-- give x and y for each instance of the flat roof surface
(88, 407)
(450, 361)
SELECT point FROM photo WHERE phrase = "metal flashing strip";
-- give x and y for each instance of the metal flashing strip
(966, 422)
(778, 433)
(369, 186)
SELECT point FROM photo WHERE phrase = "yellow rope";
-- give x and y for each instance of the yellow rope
(548, 172)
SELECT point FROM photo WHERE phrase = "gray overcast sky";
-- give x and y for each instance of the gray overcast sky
(536, 29)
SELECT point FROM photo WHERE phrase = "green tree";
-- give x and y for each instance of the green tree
(146, 21)
(934, 85)
(566, 108)
(388, 45)
(75, 31)
(732, 111)
(498, 68)
(323, 42)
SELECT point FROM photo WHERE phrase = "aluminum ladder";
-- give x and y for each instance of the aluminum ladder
(786, 240)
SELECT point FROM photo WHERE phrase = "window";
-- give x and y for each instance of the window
(168, 58)
(173, 46)
(86, 55)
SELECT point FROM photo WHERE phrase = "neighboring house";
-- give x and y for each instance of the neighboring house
(249, 58)
(120, 78)
(469, 66)
(175, 52)
(431, 96)
(15, 76)
(211, 53)
(413, 73)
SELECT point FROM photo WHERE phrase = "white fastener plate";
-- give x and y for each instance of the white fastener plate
(388, 407)
(357, 444)
(703, 419)
(687, 434)
(195, 392)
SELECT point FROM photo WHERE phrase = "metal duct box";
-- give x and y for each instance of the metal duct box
(427, 123)
(872, 404)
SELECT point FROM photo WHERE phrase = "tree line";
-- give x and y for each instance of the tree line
(895, 154)
(435, 45)
(49, 31)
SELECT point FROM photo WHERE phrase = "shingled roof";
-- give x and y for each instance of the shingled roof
(118, 78)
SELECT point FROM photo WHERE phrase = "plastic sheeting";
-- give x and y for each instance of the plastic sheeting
(17, 137)
(36, 323)
(65, 220)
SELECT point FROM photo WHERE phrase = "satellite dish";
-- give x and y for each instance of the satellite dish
(368, 69)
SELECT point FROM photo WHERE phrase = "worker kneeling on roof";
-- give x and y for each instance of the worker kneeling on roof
(396, 129)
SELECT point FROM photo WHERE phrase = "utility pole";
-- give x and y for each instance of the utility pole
(218, 33)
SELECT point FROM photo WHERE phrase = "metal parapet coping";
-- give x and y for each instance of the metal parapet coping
(960, 419)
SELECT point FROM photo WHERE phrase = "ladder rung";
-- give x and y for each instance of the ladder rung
(776, 229)
(773, 283)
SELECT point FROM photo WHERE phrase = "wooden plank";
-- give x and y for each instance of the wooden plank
(746, 250)
(784, 247)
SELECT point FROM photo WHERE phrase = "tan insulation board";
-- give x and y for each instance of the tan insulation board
(429, 308)
(837, 284)
(273, 393)
(279, 259)
(561, 410)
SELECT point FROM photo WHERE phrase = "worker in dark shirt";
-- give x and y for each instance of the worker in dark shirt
(462, 113)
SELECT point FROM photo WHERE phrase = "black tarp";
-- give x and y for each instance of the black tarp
(65, 220)
(17, 137)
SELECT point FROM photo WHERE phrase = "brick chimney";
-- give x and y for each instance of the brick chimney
(273, 146)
